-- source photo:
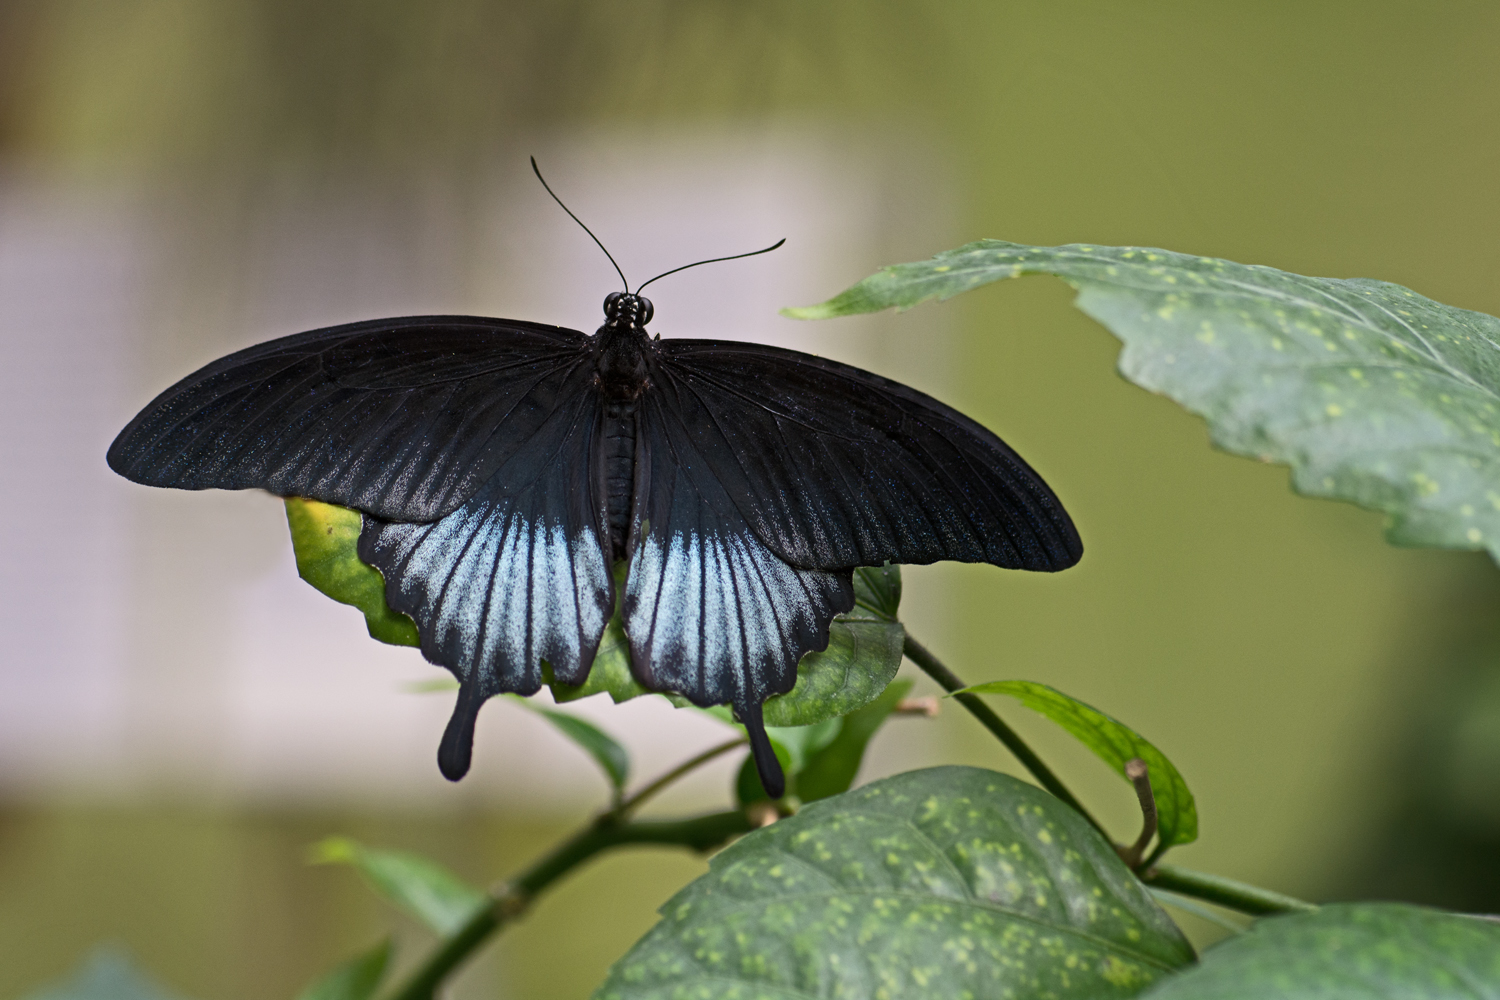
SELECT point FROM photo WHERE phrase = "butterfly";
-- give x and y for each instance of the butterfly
(504, 468)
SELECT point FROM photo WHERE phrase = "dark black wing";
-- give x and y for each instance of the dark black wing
(516, 575)
(711, 612)
(402, 418)
(834, 467)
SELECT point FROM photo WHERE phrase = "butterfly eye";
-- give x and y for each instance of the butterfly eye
(612, 303)
(647, 311)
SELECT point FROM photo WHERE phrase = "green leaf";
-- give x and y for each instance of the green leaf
(1349, 951)
(420, 886)
(863, 655)
(324, 538)
(107, 974)
(1114, 743)
(832, 769)
(877, 589)
(611, 757)
(947, 882)
(356, 979)
(1371, 392)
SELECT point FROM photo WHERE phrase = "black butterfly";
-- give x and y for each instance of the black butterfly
(503, 468)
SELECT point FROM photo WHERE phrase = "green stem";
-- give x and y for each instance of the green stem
(951, 682)
(1225, 892)
(509, 900)
(625, 807)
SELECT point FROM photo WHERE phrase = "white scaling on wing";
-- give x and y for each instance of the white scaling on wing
(719, 613)
(494, 590)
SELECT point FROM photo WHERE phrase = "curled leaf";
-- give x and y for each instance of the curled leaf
(1114, 743)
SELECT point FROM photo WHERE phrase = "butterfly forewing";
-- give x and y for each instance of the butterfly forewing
(835, 467)
(402, 418)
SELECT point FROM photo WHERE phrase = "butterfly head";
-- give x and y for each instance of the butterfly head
(627, 309)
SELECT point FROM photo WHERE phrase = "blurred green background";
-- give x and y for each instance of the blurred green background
(1334, 702)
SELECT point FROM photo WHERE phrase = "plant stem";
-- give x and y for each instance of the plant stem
(510, 899)
(634, 802)
(1225, 892)
(951, 682)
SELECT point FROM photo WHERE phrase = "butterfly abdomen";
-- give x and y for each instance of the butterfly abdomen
(618, 445)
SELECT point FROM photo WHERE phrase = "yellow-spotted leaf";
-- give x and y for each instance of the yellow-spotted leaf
(946, 882)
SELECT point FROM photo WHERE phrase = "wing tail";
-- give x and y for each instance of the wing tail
(772, 779)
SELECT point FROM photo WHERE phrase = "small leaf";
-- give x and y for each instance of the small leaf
(1352, 952)
(833, 768)
(611, 757)
(1114, 743)
(107, 974)
(877, 589)
(861, 660)
(946, 882)
(420, 886)
(324, 538)
(356, 979)
(1369, 391)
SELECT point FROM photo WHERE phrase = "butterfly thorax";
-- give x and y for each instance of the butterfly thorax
(621, 345)
(621, 373)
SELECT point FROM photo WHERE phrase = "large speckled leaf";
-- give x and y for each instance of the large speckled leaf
(1114, 743)
(324, 537)
(1371, 392)
(1359, 951)
(947, 882)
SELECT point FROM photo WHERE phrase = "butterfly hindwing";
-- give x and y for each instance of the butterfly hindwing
(515, 576)
(835, 467)
(403, 418)
(711, 612)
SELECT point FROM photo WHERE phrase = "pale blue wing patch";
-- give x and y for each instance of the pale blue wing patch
(714, 615)
(515, 576)
(495, 591)
(711, 612)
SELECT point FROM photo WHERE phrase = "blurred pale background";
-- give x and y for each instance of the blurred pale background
(180, 716)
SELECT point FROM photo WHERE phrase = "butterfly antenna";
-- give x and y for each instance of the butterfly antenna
(714, 260)
(537, 170)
